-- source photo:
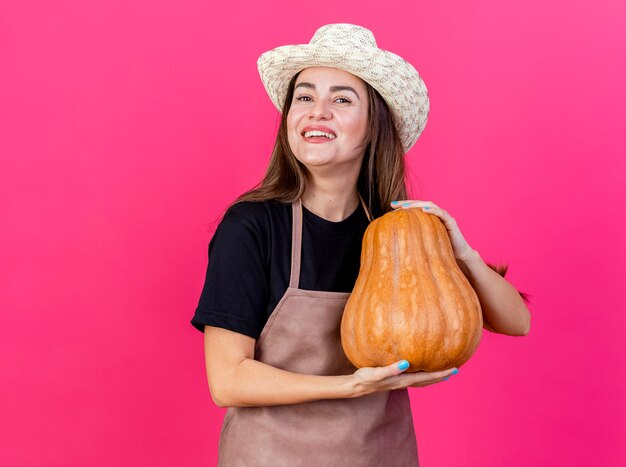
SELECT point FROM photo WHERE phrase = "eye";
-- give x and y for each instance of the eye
(343, 99)
(303, 98)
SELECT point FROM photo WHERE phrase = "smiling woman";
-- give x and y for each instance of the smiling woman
(285, 257)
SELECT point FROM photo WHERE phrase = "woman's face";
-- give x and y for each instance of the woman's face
(328, 118)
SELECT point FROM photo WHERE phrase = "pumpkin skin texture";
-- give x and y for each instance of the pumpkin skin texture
(410, 300)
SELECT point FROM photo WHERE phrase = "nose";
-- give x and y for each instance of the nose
(320, 111)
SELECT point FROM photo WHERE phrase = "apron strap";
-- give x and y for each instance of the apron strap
(367, 212)
(296, 243)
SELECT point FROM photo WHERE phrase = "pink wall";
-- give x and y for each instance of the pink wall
(126, 128)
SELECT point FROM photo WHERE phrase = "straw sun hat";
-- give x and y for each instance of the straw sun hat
(353, 48)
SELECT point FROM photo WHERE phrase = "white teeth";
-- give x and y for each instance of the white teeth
(309, 134)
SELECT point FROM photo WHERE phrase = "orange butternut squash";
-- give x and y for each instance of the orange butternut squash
(411, 300)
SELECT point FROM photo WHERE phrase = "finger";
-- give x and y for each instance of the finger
(439, 374)
(414, 203)
(426, 383)
(426, 378)
(397, 368)
(399, 203)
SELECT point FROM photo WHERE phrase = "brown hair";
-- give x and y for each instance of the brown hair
(381, 180)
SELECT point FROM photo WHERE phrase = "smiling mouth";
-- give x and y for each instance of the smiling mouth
(315, 134)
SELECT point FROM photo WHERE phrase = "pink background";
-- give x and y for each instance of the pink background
(127, 127)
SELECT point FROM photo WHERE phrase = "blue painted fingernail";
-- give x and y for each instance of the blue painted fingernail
(403, 365)
(394, 202)
(446, 379)
(426, 207)
(454, 372)
(406, 204)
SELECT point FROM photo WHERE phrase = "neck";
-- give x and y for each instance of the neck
(331, 201)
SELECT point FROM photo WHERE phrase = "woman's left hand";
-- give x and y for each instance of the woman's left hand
(462, 251)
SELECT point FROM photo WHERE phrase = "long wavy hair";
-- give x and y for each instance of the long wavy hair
(382, 177)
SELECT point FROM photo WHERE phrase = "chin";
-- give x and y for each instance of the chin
(314, 161)
(309, 156)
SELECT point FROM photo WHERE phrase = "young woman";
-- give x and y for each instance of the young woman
(285, 257)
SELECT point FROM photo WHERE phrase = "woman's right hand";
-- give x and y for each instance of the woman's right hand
(385, 378)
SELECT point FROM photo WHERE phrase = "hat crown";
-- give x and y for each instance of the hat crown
(344, 34)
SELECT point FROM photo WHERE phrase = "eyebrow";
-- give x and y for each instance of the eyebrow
(304, 84)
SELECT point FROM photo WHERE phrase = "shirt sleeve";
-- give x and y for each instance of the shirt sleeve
(236, 288)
